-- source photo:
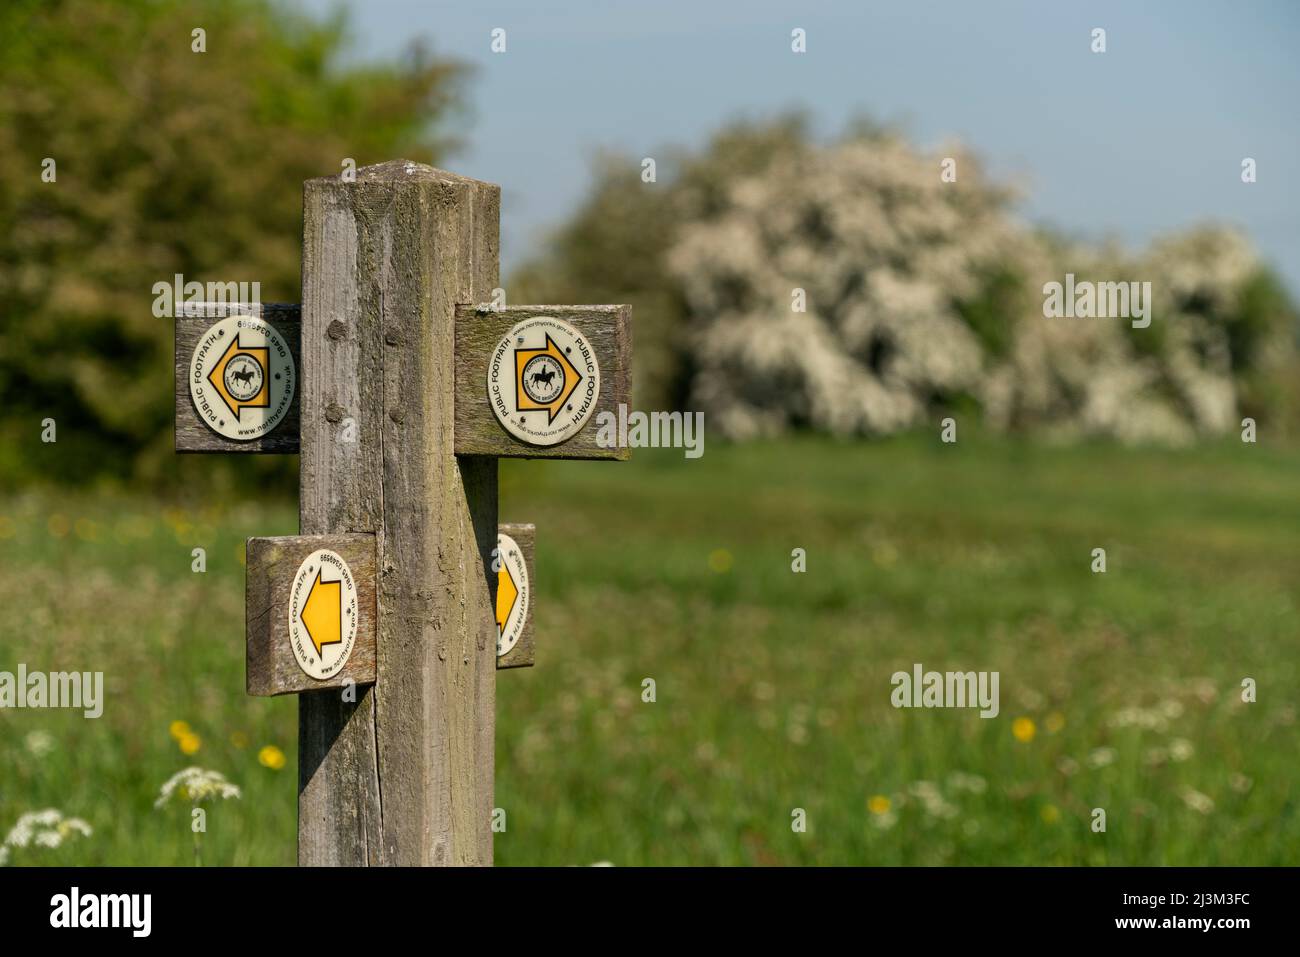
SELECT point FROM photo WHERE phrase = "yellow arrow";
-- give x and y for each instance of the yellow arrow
(322, 613)
(507, 594)
(571, 378)
(259, 354)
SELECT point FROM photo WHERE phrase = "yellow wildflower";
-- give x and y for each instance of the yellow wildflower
(271, 757)
(1024, 730)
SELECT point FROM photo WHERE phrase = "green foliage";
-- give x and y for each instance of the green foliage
(168, 161)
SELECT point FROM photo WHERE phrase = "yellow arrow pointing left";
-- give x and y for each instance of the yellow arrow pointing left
(322, 613)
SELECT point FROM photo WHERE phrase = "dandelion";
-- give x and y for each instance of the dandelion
(1024, 730)
(879, 804)
(178, 729)
(271, 757)
(1049, 813)
(39, 743)
(189, 743)
(1102, 757)
(46, 828)
(720, 560)
(1198, 802)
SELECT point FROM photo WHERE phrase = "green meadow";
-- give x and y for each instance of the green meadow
(1120, 691)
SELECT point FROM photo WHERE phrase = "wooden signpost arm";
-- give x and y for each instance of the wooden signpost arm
(405, 774)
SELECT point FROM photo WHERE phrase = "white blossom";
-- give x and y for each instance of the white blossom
(195, 785)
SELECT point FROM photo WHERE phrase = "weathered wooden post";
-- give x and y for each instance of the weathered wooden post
(402, 776)
(384, 613)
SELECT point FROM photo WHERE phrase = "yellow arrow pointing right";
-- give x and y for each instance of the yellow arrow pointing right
(507, 593)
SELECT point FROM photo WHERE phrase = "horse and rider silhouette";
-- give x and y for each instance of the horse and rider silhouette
(545, 377)
(245, 377)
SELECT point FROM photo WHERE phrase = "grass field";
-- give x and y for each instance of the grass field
(1119, 691)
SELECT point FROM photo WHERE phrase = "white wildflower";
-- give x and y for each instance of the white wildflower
(1180, 749)
(1101, 757)
(1198, 802)
(44, 828)
(39, 743)
(194, 785)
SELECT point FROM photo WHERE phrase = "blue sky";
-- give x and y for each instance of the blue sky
(1145, 138)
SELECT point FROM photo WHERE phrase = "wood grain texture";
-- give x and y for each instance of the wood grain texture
(523, 654)
(340, 490)
(271, 667)
(385, 261)
(192, 435)
(480, 328)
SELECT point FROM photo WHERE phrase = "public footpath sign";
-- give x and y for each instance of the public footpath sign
(391, 611)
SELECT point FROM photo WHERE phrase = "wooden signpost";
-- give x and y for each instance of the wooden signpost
(392, 609)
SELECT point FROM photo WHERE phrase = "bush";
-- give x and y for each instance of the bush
(168, 161)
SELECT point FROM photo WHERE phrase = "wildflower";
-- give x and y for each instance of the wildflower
(885, 821)
(271, 757)
(1180, 749)
(1101, 757)
(1240, 783)
(1049, 813)
(39, 743)
(878, 804)
(1023, 729)
(178, 729)
(1156, 756)
(1198, 802)
(196, 785)
(189, 742)
(1067, 766)
(47, 828)
(1054, 722)
(961, 781)
(720, 560)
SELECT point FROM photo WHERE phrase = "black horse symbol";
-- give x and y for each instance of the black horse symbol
(245, 377)
(544, 377)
